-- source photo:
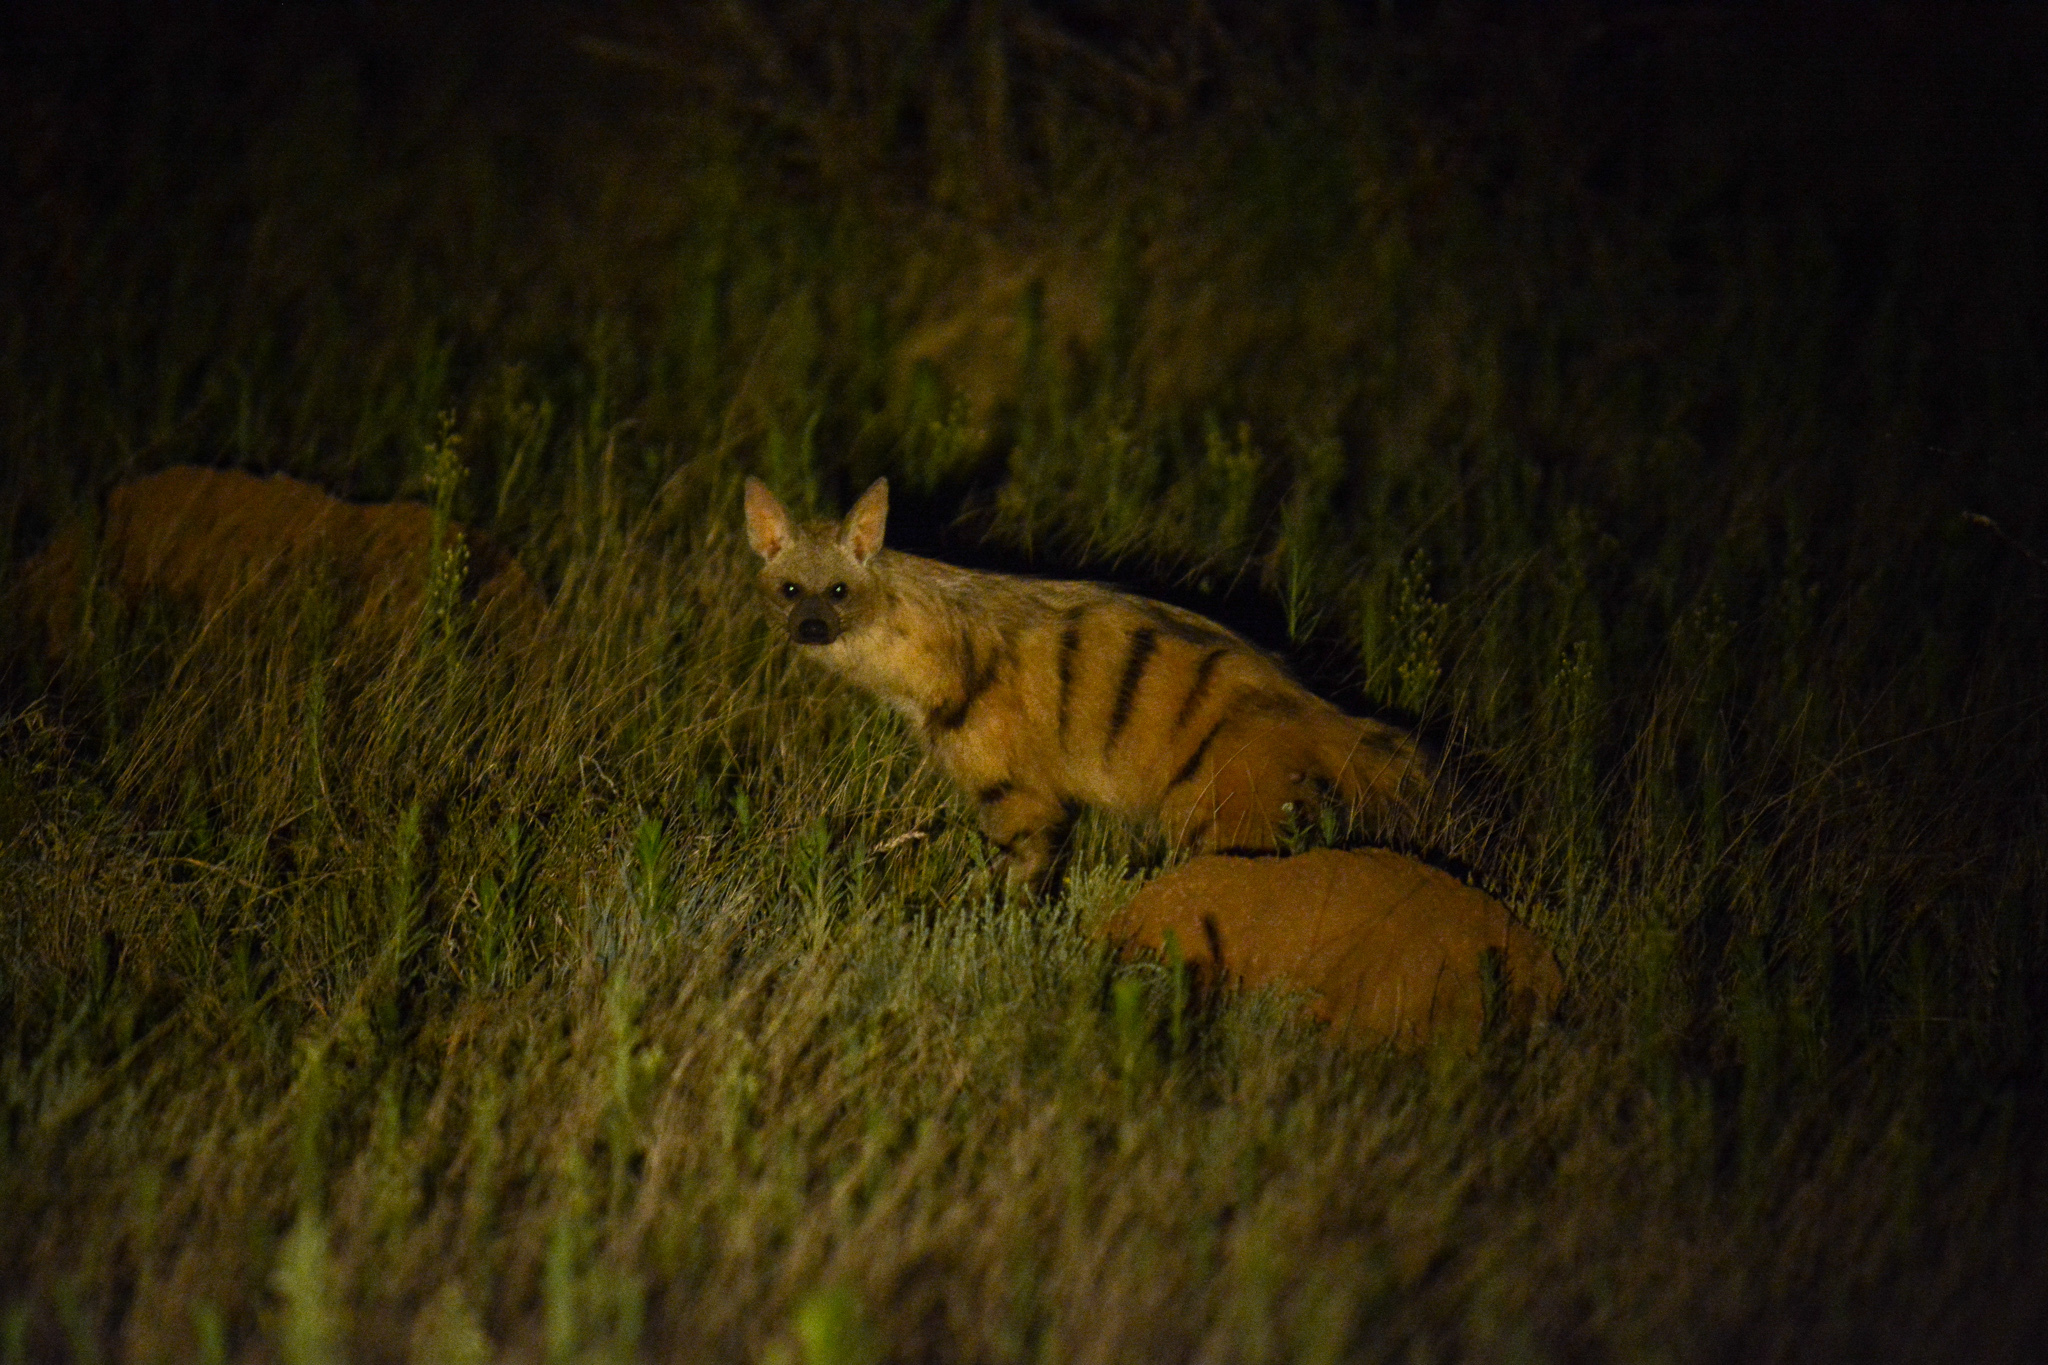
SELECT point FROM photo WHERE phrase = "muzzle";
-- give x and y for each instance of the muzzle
(813, 621)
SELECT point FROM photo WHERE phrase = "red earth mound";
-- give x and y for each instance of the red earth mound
(212, 537)
(1385, 946)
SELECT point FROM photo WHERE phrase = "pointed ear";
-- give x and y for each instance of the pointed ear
(860, 535)
(769, 528)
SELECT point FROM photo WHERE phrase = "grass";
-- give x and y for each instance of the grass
(1608, 400)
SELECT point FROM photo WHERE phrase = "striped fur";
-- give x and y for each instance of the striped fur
(1040, 697)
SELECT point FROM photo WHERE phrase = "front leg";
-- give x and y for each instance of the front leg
(1030, 827)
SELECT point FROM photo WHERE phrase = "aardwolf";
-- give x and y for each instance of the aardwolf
(1041, 697)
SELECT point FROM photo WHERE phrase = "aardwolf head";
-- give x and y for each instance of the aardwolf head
(816, 578)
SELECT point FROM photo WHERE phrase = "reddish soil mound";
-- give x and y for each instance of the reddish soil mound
(208, 537)
(1385, 946)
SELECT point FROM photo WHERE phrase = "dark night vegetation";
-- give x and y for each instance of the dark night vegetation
(1650, 402)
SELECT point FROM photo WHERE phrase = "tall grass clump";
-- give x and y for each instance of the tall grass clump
(1648, 410)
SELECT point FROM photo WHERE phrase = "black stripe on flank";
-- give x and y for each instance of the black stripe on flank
(977, 678)
(1194, 763)
(1186, 627)
(1143, 641)
(993, 793)
(1205, 673)
(1070, 643)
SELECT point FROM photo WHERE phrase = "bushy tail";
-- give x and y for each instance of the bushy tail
(1375, 767)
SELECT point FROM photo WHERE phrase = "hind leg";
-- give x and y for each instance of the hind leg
(1240, 802)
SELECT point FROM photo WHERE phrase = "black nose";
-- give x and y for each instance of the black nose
(813, 630)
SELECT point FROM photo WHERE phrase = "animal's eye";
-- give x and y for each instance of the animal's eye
(838, 592)
(790, 590)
